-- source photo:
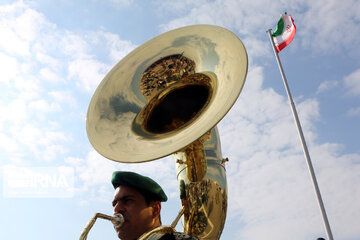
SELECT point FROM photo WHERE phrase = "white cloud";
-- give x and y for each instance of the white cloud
(256, 48)
(84, 66)
(8, 143)
(122, 3)
(322, 26)
(269, 184)
(11, 8)
(269, 189)
(73, 161)
(20, 29)
(63, 96)
(12, 43)
(51, 152)
(33, 138)
(249, 18)
(352, 83)
(16, 111)
(354, 111)
(264, 118)
(42, 143)
(44, 50)
(29, 25)
(337, 26)
(30, 84)
(118, 48)
(37, 55)
(95, 172)
(27, 67)
(89, 72)
(43, 106)
(177, 7)
(9, 68)
(27, 135)
(74, 45)
(326, 86)
(334, 171)
(197, 15)
(308, 111)
(49, 75)
(48, 60)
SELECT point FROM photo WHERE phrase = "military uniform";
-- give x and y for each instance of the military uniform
(177, 236)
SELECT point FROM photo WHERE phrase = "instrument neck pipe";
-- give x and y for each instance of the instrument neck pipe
(116, 220)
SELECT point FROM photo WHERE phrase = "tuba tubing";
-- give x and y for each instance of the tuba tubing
(117, 220)
(203, 188)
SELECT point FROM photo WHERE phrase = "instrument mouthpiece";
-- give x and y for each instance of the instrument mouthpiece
(118, 220)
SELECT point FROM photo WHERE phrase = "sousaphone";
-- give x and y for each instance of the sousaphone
(166, 97)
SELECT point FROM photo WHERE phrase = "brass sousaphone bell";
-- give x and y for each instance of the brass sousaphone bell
(166, 97)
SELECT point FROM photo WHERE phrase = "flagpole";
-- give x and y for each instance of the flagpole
(305, 149)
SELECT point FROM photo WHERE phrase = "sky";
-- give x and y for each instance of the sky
(54, 55)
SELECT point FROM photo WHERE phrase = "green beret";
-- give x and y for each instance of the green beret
(144, 185)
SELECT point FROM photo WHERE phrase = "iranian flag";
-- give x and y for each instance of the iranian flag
(284, 32)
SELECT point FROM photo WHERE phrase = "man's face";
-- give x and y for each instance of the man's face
(139, 216)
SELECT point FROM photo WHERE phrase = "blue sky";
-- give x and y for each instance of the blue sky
(53, 56)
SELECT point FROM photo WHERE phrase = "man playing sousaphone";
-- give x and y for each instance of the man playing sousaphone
(138, 199)
(163, 98)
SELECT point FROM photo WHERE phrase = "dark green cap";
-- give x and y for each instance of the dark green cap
(144, 185)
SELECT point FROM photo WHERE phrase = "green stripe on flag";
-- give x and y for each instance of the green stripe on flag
(279, 28)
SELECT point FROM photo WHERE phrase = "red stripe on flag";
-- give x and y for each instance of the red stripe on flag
(282, 45)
